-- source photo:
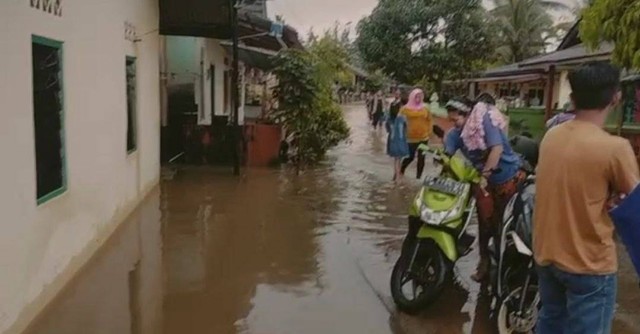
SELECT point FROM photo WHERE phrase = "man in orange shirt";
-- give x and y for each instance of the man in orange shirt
(580, 168)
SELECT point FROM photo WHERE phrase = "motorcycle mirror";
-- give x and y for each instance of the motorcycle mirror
(438, 131)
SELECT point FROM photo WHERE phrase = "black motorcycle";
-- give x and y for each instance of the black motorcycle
(514, 279)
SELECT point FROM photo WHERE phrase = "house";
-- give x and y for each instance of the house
(198, 84)
(80, 130)
(535, 88)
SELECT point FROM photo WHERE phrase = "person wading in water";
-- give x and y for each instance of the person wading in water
(419, 127)
(397, 146)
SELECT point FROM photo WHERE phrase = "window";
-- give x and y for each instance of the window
(131, 104)
(48, 118)
(631, 102)
(535, 97)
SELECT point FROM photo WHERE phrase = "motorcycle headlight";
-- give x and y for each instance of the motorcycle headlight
(432, 217)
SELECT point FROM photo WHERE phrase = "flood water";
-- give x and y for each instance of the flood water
(273, 253)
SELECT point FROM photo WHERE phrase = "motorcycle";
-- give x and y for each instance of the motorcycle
(437, 238)
(514, 279)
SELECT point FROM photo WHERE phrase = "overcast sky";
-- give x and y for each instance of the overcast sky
(321, 14)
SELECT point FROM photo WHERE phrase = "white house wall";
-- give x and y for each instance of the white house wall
(188, 60)
(564, 89)
(215, 56)
(41, 246)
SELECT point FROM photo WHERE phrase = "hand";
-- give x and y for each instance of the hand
(615, 200)
(483, 186)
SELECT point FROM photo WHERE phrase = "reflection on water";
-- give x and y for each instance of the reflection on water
(270, 252)
(121, 290)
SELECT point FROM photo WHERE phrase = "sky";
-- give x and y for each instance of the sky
(321, 14)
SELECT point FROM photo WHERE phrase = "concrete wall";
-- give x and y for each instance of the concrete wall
(127, 279)
(42, 246)
(564, 89)
(188, 61)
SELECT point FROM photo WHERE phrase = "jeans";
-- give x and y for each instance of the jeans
(575, 304)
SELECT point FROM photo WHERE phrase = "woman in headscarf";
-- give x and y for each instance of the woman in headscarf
(419, 126)
(479, 133)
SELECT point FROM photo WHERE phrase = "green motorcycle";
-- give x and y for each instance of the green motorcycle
(437, 238)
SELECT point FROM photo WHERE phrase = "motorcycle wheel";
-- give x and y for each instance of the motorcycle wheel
(413, 289)
(508, 320)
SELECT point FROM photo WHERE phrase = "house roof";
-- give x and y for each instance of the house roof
(210, 19)
(199, 18)
(252, 56)
(576, 53)
(507, 70)
(251, 25)
(357, 70)
(255, 7)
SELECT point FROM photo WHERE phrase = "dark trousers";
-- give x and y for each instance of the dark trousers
(377, 119)
(413, 150)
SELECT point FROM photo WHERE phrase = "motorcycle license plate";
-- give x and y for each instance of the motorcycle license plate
(444, 185)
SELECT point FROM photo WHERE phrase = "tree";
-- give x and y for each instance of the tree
(375, 81)
(524, 27)
(332, 53)
(433, 39)
(306, 108)
(617, 22)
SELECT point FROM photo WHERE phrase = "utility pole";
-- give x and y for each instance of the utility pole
(235, 97)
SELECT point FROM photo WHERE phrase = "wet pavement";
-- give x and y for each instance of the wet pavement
(273, 253)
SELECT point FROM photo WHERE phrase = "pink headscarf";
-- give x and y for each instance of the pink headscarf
(473, 131)
(412, 104)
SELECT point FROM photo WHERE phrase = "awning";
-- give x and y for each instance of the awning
(252, 56)
(511, 78)
(198, 18)
(210, 19)
(256, 31)
(507, 78)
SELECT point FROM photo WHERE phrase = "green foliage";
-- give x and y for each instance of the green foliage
(412, 40)
(374, 82)
(305, 106)
(332, 51)
(524, 28)
(615, 21)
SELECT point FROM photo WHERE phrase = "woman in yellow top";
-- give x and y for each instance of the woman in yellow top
(419, 127)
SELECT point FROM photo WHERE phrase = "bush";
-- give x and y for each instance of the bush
(305, 108)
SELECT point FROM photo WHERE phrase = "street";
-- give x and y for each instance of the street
(274, 253)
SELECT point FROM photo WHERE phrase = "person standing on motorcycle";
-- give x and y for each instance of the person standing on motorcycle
(419, 126)
(479, 134)
(581, 167)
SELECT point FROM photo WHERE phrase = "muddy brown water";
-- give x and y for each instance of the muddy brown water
(273, 253)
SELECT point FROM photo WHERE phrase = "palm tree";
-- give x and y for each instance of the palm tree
(524, 27)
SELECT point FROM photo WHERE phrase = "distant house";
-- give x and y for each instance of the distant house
(535, 88)
(540, 86)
